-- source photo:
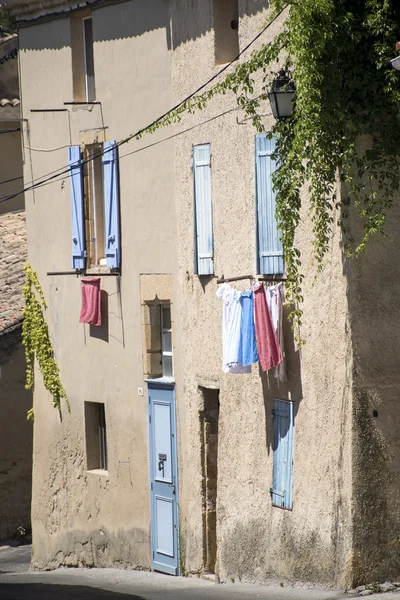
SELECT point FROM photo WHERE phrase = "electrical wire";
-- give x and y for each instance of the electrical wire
(10, 180)
(174, 135)
(46, 149)
(9, 130)
(50, 177)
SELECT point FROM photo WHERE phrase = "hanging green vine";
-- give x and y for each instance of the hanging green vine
(36, 339)
(347, 92)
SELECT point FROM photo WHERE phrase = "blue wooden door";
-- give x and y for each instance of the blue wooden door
(163, 479)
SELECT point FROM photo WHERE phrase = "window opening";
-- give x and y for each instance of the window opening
(94, 206)
(209, 461)
(226, 26)
(166, 341)
(88, 58)
(82, 55)
(96, 436)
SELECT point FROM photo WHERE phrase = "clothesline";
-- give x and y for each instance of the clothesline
(252, 328)
(271, 278)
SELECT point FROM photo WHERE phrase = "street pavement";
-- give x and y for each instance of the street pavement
(18, 583)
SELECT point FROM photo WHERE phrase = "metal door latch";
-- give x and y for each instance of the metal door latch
(161, 460)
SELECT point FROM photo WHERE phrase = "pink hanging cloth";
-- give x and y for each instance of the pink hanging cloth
(91, 307)
(269, 351)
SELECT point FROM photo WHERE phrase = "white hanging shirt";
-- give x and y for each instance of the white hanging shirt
(231, 329)
(275, 296)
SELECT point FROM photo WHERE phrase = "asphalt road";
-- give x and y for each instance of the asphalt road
(18, 583)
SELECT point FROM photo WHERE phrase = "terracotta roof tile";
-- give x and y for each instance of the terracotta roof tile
(13, 255)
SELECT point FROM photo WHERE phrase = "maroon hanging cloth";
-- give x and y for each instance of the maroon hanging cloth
(91, 307)
(269, 351)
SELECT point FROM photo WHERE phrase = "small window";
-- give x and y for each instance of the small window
(96, 436)
(226, 30)
(94, 205)
(82, 58)
(89, 59)
(281, 491)
(166, 341)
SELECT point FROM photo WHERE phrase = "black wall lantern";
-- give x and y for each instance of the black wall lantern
(281, 95)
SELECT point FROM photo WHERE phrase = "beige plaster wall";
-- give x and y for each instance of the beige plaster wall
(376, 463)
(313, 542)
(79, 517)
(16, 446)
(10, 167)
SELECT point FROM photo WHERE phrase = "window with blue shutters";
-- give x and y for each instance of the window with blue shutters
(204, 245)
(283, 417)
(270, 253)
(95, 206)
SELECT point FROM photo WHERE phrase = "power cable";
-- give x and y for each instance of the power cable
(49, 177)
(163, 140)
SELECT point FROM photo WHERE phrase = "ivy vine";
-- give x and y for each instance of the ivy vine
(36, 339)
(338, 52)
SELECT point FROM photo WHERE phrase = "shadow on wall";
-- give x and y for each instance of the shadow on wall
(292, 389)
(195, 21)
(374, 310)
(128, 19)
(41, 591)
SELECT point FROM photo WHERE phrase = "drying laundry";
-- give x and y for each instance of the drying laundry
(91, 307)
(275, 299)
(231, 329)
(248, 348)
(269, 351)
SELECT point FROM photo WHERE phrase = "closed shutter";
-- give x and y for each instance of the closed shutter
(270, 253)
(111, 205)
(204, 251)
(77, 211)
(281, 490)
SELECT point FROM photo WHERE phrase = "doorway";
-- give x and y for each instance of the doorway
(209, 462)
(163, 478)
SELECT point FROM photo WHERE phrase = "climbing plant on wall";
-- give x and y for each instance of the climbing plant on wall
(36, 339)
(345, 128)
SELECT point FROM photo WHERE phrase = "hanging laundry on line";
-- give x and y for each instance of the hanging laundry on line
(275, 295)
(231, 330)
(252, 329)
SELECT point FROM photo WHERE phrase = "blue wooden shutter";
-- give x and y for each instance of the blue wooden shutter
(203, 210)
(78, 222)
(111, 204)
(270, 254)
(281, 490)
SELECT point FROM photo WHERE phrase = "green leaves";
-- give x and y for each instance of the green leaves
(36, 339)
(345, 130)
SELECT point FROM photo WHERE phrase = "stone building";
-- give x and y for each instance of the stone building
(15, 400)
(10, 136)
(165, 461)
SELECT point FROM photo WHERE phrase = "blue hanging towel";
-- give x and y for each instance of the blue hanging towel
(248, 348)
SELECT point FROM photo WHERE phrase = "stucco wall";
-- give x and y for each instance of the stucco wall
(313, 542)
(16, 446)
(81, 517)
(89, 519)
(376, 463)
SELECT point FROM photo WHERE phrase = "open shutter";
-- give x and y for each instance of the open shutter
(270, 254)
(78, 222)
(111, 204)
(281, 490)
(203, 210)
